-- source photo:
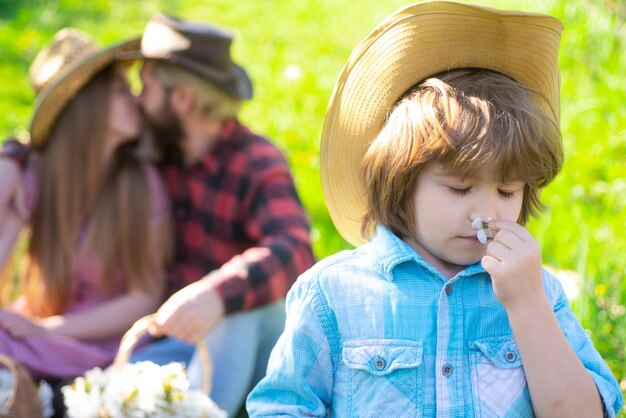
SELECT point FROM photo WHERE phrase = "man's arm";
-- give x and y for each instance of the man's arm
(261, 274)
(278, 224)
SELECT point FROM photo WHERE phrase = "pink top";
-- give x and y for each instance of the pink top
(58, 356)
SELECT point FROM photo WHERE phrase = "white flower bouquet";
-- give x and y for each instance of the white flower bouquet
(140, 390)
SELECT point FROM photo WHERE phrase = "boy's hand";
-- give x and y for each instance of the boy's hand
(513, 260)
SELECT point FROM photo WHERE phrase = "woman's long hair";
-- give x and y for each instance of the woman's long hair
(78, 194)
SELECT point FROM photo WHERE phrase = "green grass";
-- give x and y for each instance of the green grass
(584, 229)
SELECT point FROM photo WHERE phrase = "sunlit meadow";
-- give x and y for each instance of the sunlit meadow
(294, 50)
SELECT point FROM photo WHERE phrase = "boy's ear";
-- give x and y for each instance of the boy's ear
(182, 100)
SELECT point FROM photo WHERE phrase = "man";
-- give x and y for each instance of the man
(242, 236)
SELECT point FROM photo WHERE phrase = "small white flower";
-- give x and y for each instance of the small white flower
(481, 223)
(483, 232)
(483, 235)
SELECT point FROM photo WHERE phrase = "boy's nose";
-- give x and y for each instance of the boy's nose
(484, 207)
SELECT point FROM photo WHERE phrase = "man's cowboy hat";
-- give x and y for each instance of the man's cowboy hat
(60, 70)
(201, 48)
(412, 44)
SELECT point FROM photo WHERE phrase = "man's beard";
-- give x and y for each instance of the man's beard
(167, 134)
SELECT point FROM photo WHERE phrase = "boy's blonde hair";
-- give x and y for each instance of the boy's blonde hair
(466, 120)
(211, 101)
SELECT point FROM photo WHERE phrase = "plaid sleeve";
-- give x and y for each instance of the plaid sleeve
(15, 150)
(278, 224)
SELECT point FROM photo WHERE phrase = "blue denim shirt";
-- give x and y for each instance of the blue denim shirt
(378, 332)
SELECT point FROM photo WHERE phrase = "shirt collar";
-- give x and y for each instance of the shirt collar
(388, 251)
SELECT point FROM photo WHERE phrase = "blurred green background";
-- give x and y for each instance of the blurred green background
(293, 51)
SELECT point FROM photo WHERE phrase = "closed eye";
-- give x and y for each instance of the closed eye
(506, 194)
(459, 190)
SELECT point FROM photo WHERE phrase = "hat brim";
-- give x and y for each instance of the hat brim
(237, 84)
(54, 97)
(412, 44)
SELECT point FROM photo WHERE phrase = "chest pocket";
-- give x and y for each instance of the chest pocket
(499, 384)
(385, 377)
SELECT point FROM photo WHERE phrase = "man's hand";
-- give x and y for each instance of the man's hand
(20, 326)
(513, 260)
(190, 313)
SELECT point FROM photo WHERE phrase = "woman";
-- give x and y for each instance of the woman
(98, 216)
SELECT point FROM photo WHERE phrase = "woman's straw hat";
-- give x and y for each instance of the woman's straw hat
(60, 70)
(412, 44)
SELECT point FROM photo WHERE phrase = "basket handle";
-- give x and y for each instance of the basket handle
(9, 363)
(22, 401)
(138, 329)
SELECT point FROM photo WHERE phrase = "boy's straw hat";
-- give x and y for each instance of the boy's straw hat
(60, 70)
(412, 44)
(201, 48)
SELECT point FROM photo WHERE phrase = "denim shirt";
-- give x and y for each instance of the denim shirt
(378, 332)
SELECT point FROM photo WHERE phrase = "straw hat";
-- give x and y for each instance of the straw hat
(198, 47)
(412, 44)
(60, 70)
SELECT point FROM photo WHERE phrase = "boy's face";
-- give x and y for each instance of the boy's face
(444, 207)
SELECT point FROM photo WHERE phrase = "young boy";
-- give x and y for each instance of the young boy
(426, 319)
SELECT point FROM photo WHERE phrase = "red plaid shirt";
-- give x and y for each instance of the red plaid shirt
(237, 210)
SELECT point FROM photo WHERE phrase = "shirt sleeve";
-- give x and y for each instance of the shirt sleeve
(278, 225)
(299, 377)
(607, 385)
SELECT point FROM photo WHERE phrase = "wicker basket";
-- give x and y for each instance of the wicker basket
(23, 402)
(139, 328)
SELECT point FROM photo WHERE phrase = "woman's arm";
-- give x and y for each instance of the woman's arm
(106, 320)
(11, 222)
(114, 317)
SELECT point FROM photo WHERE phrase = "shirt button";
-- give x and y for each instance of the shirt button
(379, 363)
(448, 289)
(510, 356)
(447, 369)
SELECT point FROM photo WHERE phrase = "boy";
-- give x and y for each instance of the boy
(425, 319)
